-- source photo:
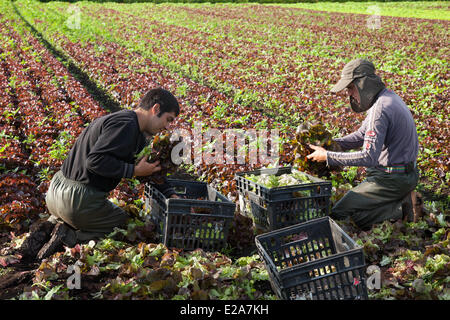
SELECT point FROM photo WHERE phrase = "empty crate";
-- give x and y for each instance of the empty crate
(314, 260)
(200, 218)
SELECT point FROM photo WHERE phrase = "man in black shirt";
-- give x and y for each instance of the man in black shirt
(103, 154)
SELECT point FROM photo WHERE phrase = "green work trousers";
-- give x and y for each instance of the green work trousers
(377, 198)
(84, 208)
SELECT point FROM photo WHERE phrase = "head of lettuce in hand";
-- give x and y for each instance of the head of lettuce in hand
(159, 151)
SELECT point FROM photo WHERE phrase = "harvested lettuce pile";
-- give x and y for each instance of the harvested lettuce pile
(273, 181)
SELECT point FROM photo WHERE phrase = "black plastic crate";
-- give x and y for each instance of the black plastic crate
(188, 222)
(314, 260)
(280, 207)
(280, 193)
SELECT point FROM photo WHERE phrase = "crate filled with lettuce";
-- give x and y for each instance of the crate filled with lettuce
(278, 197)
(314, 260)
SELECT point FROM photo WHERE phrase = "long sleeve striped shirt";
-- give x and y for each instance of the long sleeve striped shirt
(387, 136)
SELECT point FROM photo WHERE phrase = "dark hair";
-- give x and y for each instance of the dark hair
(165, 99)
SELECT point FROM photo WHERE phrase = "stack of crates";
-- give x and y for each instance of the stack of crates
(280, 207)
(314, 260)
(200, 218)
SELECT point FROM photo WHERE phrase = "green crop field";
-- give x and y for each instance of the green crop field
(232, 66)
(407, 9)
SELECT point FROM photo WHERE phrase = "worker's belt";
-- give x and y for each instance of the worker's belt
(400, 168)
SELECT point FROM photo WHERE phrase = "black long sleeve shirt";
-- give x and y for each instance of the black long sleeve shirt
(105, 152)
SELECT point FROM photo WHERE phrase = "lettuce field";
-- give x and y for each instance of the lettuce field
(232, 66)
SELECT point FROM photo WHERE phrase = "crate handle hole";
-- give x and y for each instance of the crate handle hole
(181, 190)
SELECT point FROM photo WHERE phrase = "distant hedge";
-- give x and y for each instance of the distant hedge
(256, 1)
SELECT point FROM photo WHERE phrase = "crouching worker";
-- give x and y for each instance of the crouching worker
(388, 145)
(102, 155)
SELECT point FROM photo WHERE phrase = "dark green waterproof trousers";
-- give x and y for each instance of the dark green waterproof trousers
(84, 208)
(377, 198)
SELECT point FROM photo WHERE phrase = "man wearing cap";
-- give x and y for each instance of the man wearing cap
(388, 146)
(103, 154)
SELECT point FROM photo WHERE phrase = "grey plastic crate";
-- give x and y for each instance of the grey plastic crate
(314, 260)
(187, 222)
